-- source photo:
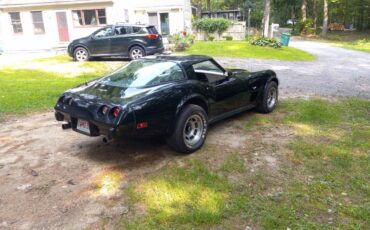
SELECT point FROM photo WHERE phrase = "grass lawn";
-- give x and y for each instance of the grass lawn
(37, 86)
(360, 45)
(349, 40)
(243, 49)
(319, 180)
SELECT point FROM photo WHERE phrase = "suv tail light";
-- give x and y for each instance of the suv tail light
(116, 111)
(152, 36)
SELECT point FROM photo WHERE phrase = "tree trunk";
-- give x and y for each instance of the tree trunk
(326, 19)
(266, 18)
(209, 5)
(199, 9)
(304, 10)
(314, 14)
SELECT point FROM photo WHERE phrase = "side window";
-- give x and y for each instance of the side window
(207, 71)
(122, 30)
(207, 66)
(105, 32)
(139, 30)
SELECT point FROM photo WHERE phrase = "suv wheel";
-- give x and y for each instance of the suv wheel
(81, 54)
(136, 52)
(190, 130)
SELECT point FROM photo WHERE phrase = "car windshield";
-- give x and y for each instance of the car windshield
(143, 73)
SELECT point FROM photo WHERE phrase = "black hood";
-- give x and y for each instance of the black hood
(79, 40)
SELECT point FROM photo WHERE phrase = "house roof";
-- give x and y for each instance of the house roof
(27, 3)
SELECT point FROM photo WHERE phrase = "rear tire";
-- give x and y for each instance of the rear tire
(270, 98)
(190, 130)
(81, 54)
(137, 52)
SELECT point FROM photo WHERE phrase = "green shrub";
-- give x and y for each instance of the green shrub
(264, 41)
(228, 38)
(210, 38)
(212, 25)
(182, 40)
(304, 27)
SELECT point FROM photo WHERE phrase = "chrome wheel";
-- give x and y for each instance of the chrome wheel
(193, 130)
(136, 54)
(81, 55)
(272, 97)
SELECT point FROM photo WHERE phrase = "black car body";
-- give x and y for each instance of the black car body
(149, 96)
(128, 40)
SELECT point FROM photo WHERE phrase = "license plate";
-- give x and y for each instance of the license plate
(83, 126)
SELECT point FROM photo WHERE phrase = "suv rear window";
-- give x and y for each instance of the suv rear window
(152, 30)
(139, 30)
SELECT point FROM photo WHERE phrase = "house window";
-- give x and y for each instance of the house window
(15, 18)
(38, 22)
(89, 17)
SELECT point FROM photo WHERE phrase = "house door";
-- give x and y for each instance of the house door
(62, 27)
(165, 23)
(153, 20)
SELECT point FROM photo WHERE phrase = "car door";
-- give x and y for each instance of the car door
(228, 92)
(121, 40)
(100, 42)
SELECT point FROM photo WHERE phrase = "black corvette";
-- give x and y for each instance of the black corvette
(173, 96)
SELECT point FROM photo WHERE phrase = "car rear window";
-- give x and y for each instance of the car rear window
(152, 30)
(144, 73)
(139, 30)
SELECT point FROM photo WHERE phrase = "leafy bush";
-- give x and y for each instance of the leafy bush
(304, 27)
(228, 38)
(210, 38)
(212, 25)
(264, 41)
(182, 40)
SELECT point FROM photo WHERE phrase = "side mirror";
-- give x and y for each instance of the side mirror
(228, 74)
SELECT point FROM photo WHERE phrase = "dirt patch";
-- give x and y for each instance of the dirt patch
(50, 178)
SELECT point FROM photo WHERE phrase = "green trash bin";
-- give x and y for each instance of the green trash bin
(285, 38)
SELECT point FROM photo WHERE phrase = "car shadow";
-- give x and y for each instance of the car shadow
(111, 59)
(139, 154)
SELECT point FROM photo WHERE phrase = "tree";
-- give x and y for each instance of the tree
(304, 10)
(208, 5)
(266, 18)
(199, 9)
(326, 20)
(314, 14)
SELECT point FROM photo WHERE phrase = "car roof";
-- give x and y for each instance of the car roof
(184, 60)
(130, 24)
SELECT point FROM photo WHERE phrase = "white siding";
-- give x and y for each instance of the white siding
(179, 20)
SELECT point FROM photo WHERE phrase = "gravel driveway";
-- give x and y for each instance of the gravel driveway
(336, 72)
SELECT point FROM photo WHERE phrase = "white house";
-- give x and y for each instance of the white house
(46, 24)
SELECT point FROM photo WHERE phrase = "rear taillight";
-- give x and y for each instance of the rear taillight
(152, 36)
(61, 99)
(116, 111)
(67, 100)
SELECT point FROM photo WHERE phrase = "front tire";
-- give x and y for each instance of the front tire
(81, 54)
(190, 131)
(136, 52)
(270, 98)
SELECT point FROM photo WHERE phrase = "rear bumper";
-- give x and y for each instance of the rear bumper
(153, 50)
(96, 128)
